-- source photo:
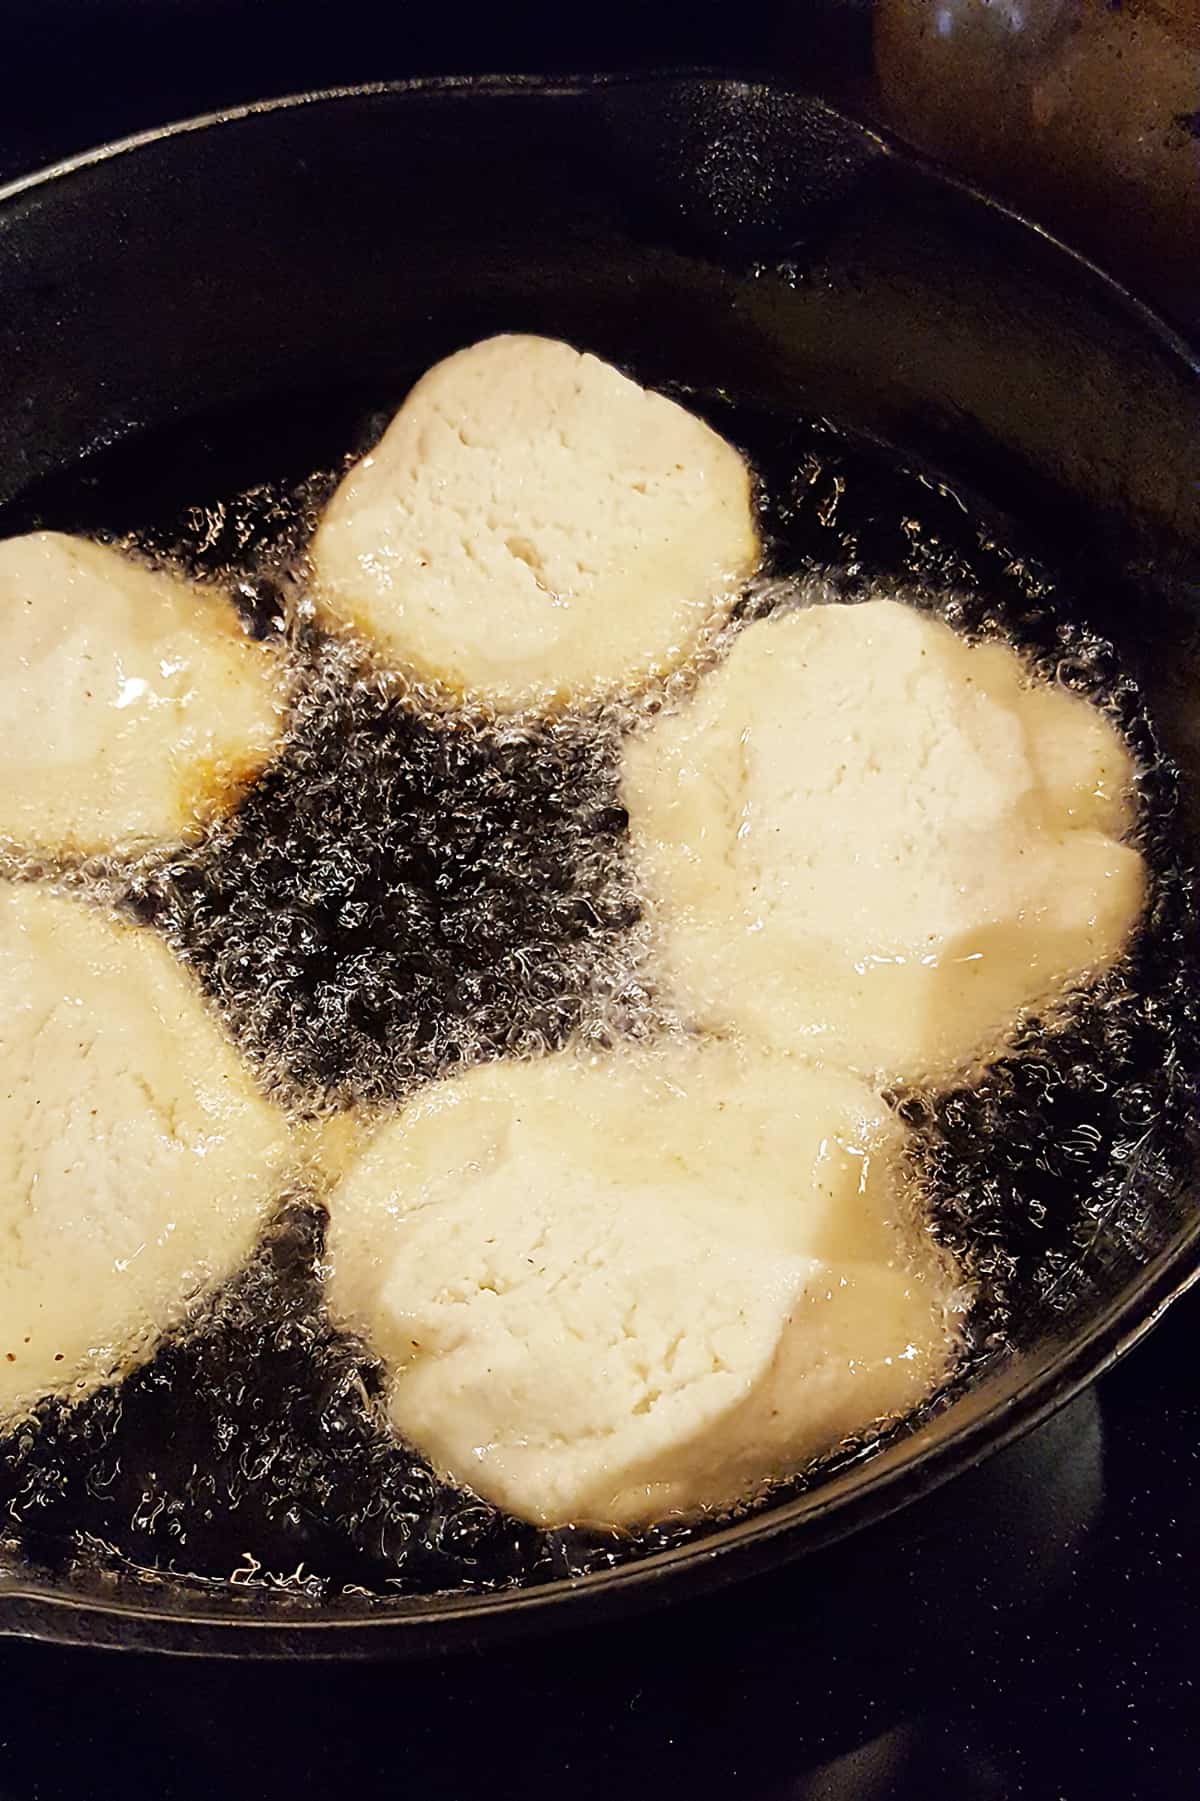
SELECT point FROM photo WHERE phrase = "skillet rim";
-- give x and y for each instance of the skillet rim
(456, 1621)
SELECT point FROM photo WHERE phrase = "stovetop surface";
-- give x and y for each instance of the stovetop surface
(1031, 1631)
(1034, 1630)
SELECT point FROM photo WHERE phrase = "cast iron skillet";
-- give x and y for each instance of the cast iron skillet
(697, 230)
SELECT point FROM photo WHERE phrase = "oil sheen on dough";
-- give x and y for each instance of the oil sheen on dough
(868, 841)
(609, 1289)
(137, 1159)
(535, 529)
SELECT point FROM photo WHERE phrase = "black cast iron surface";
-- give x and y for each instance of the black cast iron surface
(1032, 1631)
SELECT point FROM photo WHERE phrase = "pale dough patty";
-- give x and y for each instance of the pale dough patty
(132, 704)
(608, 1289)
(137, 1159)
(869, 841)
(534, 528)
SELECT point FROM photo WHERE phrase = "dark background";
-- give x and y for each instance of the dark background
(73, 72)
(1033, 1631)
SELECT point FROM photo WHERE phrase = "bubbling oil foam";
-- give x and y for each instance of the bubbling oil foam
(408, 889)
(405, 892)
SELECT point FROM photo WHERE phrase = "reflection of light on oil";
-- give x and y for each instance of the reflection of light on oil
(131, 689)
(879, 960)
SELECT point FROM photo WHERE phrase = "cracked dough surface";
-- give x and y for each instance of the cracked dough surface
(869, 841)
(137, 1159)
(606, 1289)
(132, 704)
(535, 528)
